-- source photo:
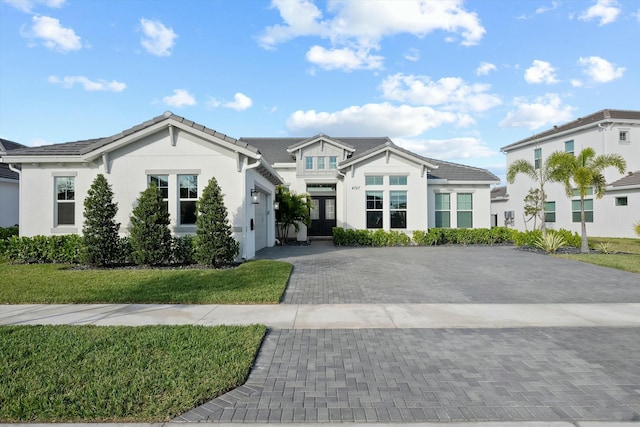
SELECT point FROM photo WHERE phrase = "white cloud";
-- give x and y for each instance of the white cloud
(576, 83)
(540, 72)
(240, 102)
(54, 36)
(542, 111)
(28, 5)
(369, 120)
(180, 98)
(453, 93)
(345, 59)
(600, 70)
(101, 85)
(360, 25)
(412, 55)
(447, 149)
(158, 39)
(545, 9)
(606, 11)
(485, 68)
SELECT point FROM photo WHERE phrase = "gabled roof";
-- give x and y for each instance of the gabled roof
(6, 145)
(602, 116)
(317, 138)
(387, 146)
(499, 193)
(454, 172)
(5, 172)
(632, 178)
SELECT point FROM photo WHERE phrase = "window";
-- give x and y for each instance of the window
(576, 192)
(320, 162)
(374, 209)
(162, 182)
(537, 158)
(588, 210)
(443, 215)
(622, 201)
(465, 210)
(65, 200)
(373, 180)
(308, 163)
(624, 135)
(398, 209)
(568, 146)
(397, 180)
(549, 211)
(188, 195)
(333, 162)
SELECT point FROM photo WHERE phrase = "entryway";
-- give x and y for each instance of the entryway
(323, 216)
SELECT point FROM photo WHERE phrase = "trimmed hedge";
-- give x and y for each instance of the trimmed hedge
(435, 236)
(529, 238)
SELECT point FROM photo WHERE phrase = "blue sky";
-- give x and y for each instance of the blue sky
(453, 80)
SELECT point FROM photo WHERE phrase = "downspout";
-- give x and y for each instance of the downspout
(245, 226)
(19, 172)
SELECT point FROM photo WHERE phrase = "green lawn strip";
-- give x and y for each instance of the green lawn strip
(629, 263)
(254, 282)
(119, 374)
(631, 246)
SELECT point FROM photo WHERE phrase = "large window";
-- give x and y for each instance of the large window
(549, 211)
(373, 180)
(443, 213)
(162, 182)
(588, 210)
(374, 209)
(65, 200)
(397, 180)
(465, 210)
(188, 195)
(537, 158)
(398, 209)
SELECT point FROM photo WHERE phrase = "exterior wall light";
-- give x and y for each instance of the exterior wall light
(276, 205)
(255, 197)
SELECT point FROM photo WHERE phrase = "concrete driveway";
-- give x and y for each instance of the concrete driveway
(452, 374)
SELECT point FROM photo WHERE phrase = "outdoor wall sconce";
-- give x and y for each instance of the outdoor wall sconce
(255, 197)
(276, 205)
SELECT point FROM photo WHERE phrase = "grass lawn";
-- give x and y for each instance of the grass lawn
(629, 261)
(254, 282)
(119, 374)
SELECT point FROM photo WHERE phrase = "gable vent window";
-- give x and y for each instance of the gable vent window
(308, 163)
(333, 162)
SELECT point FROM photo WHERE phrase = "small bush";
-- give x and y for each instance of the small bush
(6, 232)
(183, 251)
(550, 242)
(526, 238)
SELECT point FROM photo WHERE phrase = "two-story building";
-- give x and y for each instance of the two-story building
(361, 183)
(607, 132)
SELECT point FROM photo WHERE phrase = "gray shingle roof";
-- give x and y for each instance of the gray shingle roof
(457, 172)
(5, 146)
(499, 192)
(632, 178)
(600, 116)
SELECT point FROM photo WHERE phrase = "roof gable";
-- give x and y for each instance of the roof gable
(388, 148)
(6, 145)
(320, 138)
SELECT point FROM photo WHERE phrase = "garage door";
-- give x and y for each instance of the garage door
(260, 224)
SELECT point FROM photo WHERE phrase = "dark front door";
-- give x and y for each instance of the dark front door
(323, 215)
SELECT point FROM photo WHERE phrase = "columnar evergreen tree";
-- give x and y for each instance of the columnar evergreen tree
(150, 234)
(214, 244)
(100, 230)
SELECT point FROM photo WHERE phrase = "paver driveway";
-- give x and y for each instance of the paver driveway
(395, 375)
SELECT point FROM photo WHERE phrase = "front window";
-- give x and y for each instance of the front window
(65, 200)
(568, 146)
(188, 194)
(374, 209)
(549, 211)
(320, 161)
(308, 163)
(398, 209)
(588, 210)
(333, 162)
(397, 180)
(162, 182)
(443, 213)
(373, 180)
(537, 158)
(465, 210)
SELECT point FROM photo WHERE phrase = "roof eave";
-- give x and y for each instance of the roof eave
(414, 158)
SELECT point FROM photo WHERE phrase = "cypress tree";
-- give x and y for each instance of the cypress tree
(100, 230)
(214, 244)
(150, 234)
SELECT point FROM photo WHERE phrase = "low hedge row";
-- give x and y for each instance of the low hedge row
(445, 236)
(69, 249)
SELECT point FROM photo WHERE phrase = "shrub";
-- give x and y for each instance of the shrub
(100, 230)
(605, 247)
(215, 244)
(150, 235)
(550, 242)
(64, 249)
(526, 238)
(182, 250)
(636, 227)
(6, 232)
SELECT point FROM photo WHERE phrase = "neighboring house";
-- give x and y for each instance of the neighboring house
(360, 183)
(371, 183)
(180, 156)
(607, 132)
(9, 187)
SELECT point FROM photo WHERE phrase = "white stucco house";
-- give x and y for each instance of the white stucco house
(9, 187)
(359, 183)
(606, 131)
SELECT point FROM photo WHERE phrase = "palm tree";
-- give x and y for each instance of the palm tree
(543, 174)
(584, 172)
(293, 210)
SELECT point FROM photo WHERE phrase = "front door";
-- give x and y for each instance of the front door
(323, 215)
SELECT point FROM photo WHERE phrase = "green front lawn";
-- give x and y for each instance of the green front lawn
(628, 260)
(119, 374)
(254, 282)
